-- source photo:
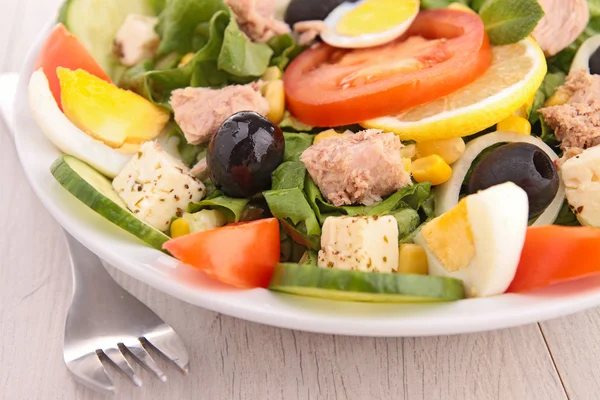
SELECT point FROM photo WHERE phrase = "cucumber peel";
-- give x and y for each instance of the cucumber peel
(96, 191)
(373, 287)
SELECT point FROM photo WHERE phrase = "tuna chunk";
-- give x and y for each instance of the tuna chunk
(577, 123)
(308, 31)
(136, 40)
(360, 168)
(563, 22)
(581, 87)
(256, 19)
(199, 112)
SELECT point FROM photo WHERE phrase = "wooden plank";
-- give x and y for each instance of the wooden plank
(575, 347)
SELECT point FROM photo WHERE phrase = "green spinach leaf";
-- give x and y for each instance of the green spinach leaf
(289, 175)
(230, 207)
(295, 144)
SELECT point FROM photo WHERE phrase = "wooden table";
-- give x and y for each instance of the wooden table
(233, 359)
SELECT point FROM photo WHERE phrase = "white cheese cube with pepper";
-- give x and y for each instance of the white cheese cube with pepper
(136, 40)
(368, 244)
(157, 186)
(581, 175)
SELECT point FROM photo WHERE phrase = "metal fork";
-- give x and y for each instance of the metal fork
(105, 322)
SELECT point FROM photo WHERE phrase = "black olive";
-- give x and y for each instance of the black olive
(308, 10)
(255, 210)
(243, 154)
(595, 62)
(524, 164)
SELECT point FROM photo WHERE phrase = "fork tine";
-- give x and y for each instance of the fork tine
(145, 359)
(168, 342)
(90, 371)
(117, 358)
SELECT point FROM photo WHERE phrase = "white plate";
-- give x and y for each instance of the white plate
(168, 275)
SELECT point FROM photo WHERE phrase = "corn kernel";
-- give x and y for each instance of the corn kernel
(409, 151)
(559, 98)
(431, 169)
(523, 111)
(186, 59)
(460, 7)
(180, 227)
(325, 134)
(272, 74)
(407, 164)
(412, 260)
(515, 124)
(449, 149)
(275, 95)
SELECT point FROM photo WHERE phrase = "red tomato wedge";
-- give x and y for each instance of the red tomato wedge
(62, 49)
(554, 254)
(242, 255)
(444, 50)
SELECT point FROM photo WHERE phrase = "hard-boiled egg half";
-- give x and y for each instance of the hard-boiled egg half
(369, 23)
(66, 136)
(480, 240)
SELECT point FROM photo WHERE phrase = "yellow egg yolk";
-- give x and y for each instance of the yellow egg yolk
(450, 238)
(374, 16)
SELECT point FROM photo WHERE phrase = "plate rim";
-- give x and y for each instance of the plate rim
(527, 308)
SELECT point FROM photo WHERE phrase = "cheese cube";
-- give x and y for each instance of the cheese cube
(368, 244)
(157, 186)
(136, 40)
(581, 176)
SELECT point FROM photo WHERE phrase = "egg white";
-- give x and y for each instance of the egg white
(498, 219)
(332, 38)
(582, 58)
(66, 136)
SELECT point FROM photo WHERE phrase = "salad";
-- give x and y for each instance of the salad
(370, 150)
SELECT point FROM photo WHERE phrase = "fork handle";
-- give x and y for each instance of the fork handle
(88, 271)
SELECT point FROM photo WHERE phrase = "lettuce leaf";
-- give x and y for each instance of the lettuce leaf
(223, 55)
(417, 198)
(178, 23)
(290, 207)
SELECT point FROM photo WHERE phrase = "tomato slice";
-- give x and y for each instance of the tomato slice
(444, 50)
(554, 254)
(242, 255)
(62, 49)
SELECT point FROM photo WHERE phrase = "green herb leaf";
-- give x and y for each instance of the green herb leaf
(289, 175)
(295, 144)
(408, 220)
(509, 21)
(189, 153)
(230, 207)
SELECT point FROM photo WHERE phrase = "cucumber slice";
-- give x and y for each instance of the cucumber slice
(96, 191)
(96, 22)
(374, 287)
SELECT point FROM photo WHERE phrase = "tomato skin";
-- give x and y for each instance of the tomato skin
(63, 49)
(554, 254)
(315, 97)
(242, 255)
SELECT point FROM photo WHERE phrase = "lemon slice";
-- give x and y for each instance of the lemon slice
(517, 71)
